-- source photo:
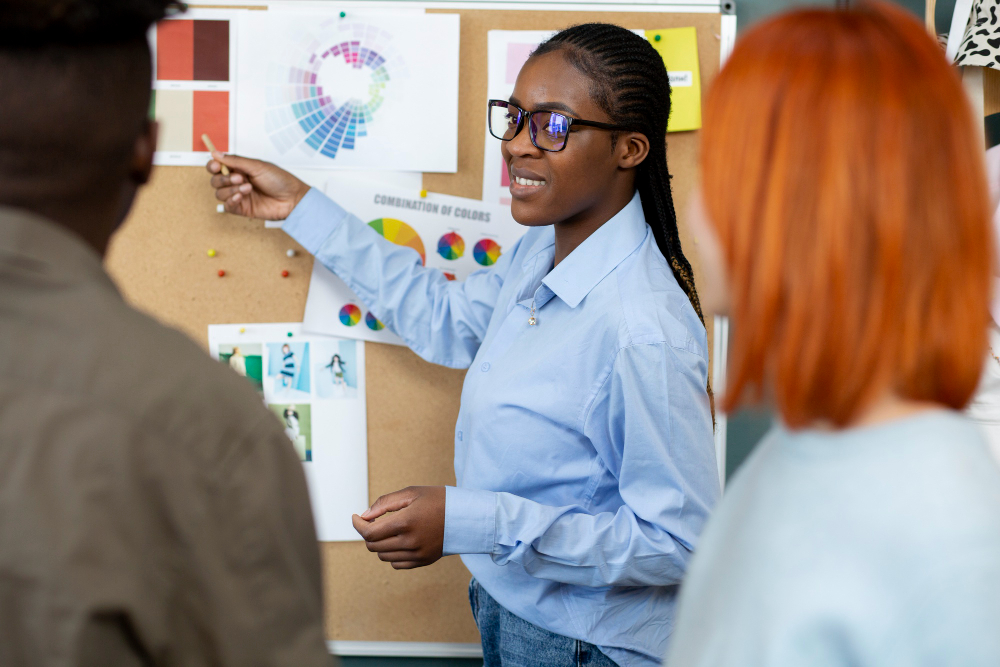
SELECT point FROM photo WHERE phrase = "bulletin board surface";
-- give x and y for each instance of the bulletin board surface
(159, 261)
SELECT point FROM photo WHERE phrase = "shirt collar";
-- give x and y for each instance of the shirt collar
(591, 262)
(38, 245)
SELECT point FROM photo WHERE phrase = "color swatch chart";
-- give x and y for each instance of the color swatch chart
(194, 66)
(325, 101)
(451, 235)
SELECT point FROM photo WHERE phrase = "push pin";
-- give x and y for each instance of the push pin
(656, 38)
(343, 14)
(290, 252)
(423, 194)
(284, 273)
(289, 334)
(220, 208)
(221, 273)
(243, 329)
(211, 252)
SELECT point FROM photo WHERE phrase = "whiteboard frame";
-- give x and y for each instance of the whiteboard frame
(721, 340)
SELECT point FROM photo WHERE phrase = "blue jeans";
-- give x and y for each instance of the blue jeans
(510, 641)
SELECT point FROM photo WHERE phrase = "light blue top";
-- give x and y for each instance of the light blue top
(583, 450)
(877, 546)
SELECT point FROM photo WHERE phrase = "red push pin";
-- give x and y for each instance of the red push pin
(284, 274)
(221, 273)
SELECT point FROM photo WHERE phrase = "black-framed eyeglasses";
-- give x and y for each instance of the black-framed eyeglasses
(548, 130)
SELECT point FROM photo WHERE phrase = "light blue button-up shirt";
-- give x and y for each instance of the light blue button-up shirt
(583, 450)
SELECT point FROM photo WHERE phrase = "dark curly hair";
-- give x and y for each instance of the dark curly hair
(74, 94)
(36, 24)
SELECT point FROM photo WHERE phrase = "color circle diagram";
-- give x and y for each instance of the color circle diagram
(350, 315)
(400, 233)
(326, 101)
(451, 246)
(486, 252)
(373, 322)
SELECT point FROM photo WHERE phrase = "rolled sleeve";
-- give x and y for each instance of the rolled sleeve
(313, 220)
(469, 521)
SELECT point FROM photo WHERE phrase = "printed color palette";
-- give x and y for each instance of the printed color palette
(486, 252)
(451, 246)
(192, 50)
(400, 233)
(373, 322)
(185, 115)
(299, 107)
(350, 315)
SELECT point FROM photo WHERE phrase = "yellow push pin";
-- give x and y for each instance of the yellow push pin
(423, 194)
(211, 252)
(243, 329)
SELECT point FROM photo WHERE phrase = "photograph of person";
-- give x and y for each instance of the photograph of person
(335, 369)
(245, 360)
(297, 420)
(288, 370)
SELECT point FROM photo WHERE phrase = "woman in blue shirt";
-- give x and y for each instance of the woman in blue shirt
(584, 454)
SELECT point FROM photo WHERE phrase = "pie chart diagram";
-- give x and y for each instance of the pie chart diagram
(400, 233)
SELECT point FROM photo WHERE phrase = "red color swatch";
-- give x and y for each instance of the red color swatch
(192, 51)
(211, 117)
(211, 50)
(175, 50)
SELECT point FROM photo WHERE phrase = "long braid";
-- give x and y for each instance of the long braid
(631, 85)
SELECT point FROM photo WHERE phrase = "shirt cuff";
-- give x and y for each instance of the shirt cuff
(469, 521)
(313, 220)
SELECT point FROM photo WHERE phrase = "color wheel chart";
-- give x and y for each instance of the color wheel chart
(451, 246)
(194, 68)
(486, 252)
(400, 233)
(325, 102)
(350, 315)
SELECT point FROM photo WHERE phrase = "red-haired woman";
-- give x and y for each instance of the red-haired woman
(847, 222)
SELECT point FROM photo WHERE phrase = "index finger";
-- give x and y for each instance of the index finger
(385, 527)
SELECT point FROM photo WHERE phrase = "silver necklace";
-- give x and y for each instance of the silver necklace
(531, 318)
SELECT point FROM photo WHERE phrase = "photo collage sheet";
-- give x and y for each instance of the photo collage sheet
(315, 386)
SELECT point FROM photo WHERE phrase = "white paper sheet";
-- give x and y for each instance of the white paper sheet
(316, 388)
(457, 236)
(369, 91)
(184, 104)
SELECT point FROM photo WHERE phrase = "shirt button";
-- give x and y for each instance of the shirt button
(485, 367)
(460, 436)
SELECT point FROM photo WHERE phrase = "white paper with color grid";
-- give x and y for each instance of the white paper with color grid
(368, 91)
(456, 235)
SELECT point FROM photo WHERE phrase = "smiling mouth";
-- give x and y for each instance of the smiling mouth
(526, 181)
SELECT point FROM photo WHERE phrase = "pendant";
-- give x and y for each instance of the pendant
(531, 321)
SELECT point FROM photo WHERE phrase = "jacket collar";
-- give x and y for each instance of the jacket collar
(38, 245)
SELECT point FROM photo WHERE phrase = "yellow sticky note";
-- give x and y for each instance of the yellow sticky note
(679, 49)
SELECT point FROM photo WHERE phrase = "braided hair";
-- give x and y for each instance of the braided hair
(630, 84)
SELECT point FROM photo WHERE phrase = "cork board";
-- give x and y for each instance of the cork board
(159, 261)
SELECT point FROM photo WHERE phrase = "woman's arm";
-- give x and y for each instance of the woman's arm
(442, 321)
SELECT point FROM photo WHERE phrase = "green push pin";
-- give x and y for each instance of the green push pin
(656, 38)
(289, 334)
(343, 14)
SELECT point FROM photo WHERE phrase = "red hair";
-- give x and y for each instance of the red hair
(844, 176)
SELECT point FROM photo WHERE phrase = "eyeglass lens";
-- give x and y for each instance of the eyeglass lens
(547, 130)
